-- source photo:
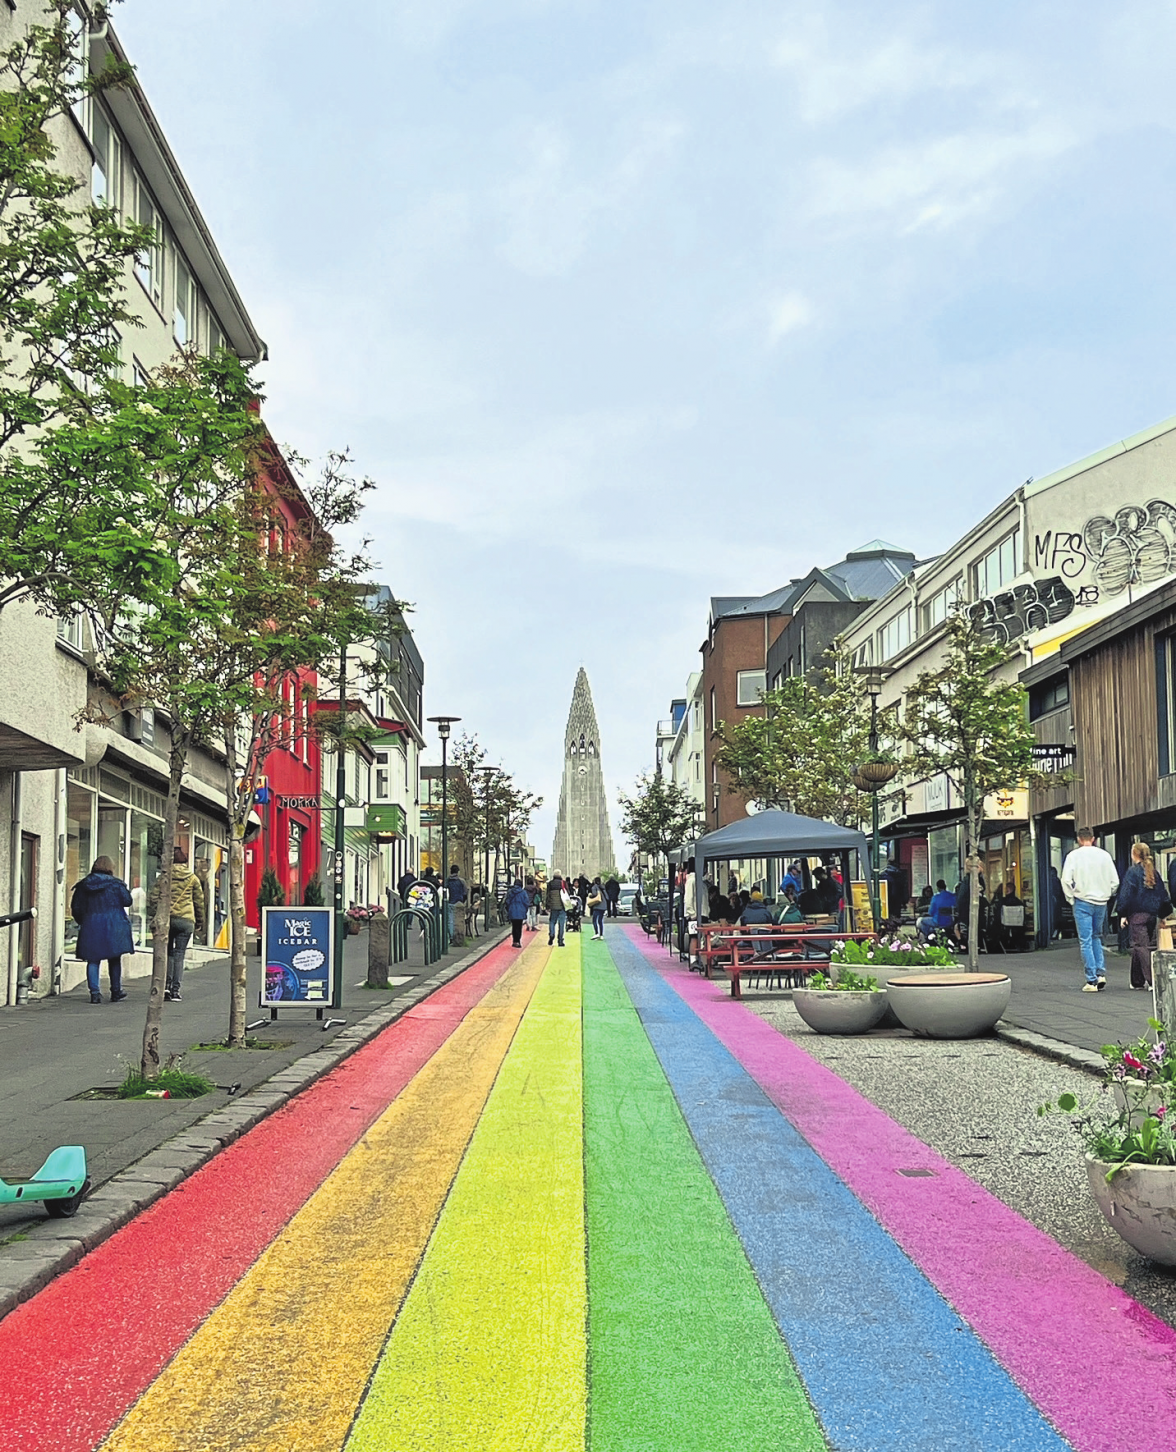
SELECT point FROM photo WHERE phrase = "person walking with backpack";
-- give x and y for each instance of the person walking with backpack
(518, 902)
(1142, 900)
(597, 906)
(185, 918)
(98, 906)
(535, 901)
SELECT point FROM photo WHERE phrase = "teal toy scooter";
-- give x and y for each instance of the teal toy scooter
(60, 1184)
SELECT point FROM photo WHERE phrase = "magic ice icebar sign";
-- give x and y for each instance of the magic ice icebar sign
(297, 950)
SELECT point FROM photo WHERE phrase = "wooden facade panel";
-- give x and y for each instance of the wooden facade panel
(1052, 729)
(1113, 691)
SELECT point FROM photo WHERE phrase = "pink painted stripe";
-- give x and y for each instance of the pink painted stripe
(1099, 1365)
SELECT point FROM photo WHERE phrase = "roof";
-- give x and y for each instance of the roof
(865, 573)
(777, 834)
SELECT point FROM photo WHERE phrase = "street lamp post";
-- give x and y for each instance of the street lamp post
(871, 776)
(340, 809)
(444, 725)
(488, 774)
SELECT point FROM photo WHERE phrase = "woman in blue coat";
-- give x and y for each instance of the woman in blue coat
(98, 906)
(518, 901)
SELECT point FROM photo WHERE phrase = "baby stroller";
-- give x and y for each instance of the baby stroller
(575, 914)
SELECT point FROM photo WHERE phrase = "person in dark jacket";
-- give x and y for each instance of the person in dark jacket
(557, 913)
(1057, 903)
(1141, 900)
(612, 891)
(98, 906)
(755, 912)
(598, 906)
(518, 902)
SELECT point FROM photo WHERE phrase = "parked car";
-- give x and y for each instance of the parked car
(625, 901)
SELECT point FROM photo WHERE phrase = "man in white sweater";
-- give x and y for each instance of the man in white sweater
(1089, 880)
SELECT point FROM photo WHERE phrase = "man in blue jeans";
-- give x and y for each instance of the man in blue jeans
(557, 913)
(1090, 880)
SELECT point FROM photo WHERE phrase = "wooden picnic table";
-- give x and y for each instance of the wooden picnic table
(791, 952)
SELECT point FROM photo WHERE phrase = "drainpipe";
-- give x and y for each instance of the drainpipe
(57, 936)
(14, 886)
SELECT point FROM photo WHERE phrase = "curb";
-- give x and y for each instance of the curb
(53, 1246)
(1048, 1048)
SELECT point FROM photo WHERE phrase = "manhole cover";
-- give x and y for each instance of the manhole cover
(917, 1174)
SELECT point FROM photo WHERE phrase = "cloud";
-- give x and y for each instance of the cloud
(550, 210)
(786, 314)
(933, 183)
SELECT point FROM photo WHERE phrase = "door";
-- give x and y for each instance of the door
(30, 851)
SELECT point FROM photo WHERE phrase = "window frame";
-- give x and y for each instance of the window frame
(740, 676)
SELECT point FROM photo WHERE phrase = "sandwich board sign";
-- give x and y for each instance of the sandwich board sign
(297, 950)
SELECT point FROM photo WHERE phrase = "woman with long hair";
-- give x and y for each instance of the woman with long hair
(99, 906)
(1142, 899)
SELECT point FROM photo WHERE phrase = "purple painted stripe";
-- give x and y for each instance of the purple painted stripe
(1099, 1365)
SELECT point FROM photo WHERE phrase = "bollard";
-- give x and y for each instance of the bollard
(379, 950)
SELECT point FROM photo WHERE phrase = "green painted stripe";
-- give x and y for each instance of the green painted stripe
(685, 1355)
(490, 1348)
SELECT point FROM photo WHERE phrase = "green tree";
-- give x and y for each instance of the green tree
(964, 721)
(801, 754)
(64, 533)
(659, 816)
(294, 599)
(185, 443)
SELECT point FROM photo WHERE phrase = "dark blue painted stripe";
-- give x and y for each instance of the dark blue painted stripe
(888, 1364)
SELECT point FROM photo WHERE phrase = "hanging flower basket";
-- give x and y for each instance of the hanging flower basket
(877, 773)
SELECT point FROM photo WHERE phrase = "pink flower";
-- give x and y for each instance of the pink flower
(1131, 1061)
(1161, 1110)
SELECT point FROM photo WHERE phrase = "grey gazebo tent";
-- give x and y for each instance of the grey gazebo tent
(778, 834)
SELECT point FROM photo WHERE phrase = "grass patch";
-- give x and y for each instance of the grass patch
(222, 1045)
(20, 1234)
(178, 1083)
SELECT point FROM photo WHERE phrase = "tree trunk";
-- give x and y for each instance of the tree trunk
(161, 921)
(239, 941)
(974, 810)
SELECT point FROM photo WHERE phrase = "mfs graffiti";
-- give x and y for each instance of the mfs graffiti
(1136, 547)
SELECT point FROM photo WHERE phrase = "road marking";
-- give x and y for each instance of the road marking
(489, 1349)
(283, 1362)
(683, 1350)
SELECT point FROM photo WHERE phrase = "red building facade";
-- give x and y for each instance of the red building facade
(288, 805)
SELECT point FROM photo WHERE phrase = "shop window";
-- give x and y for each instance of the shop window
(146, 857)
(30, 855)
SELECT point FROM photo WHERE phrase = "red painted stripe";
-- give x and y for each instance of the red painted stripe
(80, 1352)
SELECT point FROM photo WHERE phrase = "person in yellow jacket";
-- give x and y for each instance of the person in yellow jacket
(187, 914)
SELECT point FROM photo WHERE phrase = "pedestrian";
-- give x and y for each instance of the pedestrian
(754, 912)
(1089, 880)
(557, 910)
(185, 917)
(940, 912)
(455, 892)
(597, 906)
(612, 891)
(518, 903)
(582, 885)
(795, 875)
(98, 905)
(1057, 903)
(1142, 900)
(404, 883)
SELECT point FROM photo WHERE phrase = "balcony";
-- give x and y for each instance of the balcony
(386, 821)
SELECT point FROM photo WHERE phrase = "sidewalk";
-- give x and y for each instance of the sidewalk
(1048, 999)
(54, 1049)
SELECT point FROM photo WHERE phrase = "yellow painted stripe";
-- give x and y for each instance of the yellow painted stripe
(283, 1361)
(489, 1351)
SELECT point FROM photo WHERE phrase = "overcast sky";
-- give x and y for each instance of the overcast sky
(625, 303)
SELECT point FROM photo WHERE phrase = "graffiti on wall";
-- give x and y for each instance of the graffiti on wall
(1135, 547)
(1006, 617)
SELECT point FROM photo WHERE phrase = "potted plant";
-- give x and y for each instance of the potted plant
(935, 1004)
(1141, 1075)
(844, 1003)
(1131, 1158)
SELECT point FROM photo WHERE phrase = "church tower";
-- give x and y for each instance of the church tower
(583, 838)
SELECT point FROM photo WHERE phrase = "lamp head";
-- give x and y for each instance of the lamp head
(444, 725)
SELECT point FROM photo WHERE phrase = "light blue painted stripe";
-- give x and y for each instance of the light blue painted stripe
(888, 1364)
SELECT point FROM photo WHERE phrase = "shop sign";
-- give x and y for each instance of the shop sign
(892, 808)
(1011, 806)
(300, 804)
(297, 947)
(1052, 760)
(935, 794)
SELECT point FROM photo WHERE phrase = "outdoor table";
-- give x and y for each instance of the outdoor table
(796, 949)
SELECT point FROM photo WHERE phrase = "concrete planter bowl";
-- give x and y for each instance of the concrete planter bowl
(828, 1011)
(1142, 1100)
(1140, 1205)
(949, 1005)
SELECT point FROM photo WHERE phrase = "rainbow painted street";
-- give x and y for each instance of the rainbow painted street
(580, 1198)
